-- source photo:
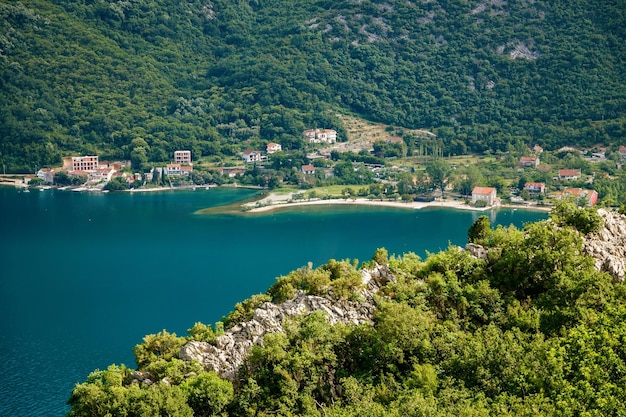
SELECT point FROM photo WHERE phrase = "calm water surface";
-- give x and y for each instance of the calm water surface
(83, 277)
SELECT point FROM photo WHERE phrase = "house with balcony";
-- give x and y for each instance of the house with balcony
(320, 136)
(46, 175)
(535, 187)
(273, 147)
(178, 169)
(182, 157)
(251, 156)
(85, 163)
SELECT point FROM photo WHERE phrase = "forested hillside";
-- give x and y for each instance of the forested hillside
(214, 76)
(528, 328)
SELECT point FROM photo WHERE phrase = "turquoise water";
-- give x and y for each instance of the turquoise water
(83, 277)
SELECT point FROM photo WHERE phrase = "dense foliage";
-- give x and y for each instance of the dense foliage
(532, 329)
(219, 76)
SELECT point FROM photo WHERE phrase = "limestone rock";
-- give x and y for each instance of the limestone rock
(608, 245)
(231, 348)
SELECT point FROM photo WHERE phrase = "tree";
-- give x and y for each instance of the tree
(117, 184)
(583, 219)
(139, 158)
(479, 231)
(439, 172)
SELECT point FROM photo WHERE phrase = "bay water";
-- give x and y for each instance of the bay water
(84, 276)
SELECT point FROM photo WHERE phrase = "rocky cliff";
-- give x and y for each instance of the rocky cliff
(608, 245)
(231, 348)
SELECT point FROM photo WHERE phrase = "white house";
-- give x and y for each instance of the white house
(487, 194)
(320, 135)
(253, 156)
(46, 174)
(535, 187)
(308, 169)
(178, 169)
(273, 147)
(569, 174)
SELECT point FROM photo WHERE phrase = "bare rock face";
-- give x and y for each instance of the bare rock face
(231, 348)
(608, 245)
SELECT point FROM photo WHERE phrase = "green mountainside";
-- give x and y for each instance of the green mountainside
(530, 328)
(214, 76)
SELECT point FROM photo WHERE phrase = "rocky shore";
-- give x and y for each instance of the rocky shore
(607, 247)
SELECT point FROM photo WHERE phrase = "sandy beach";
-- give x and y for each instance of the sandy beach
(279, 201)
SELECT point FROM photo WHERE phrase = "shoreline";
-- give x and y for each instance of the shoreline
(274, 202)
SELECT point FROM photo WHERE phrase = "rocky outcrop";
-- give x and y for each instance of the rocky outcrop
(230, 350)
(608, 245)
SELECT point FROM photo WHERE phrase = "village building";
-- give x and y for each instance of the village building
(102, 174)
(85, 163)
(537, 149)
(320, 136)
(487, 194)
(46, 175)
(250, 156)
(232, 172)
(569, 174)
(535, 187)
(178, 169)
(529, 161)
(308, 169)
(182, 157)
(622, 151)
(273, 147)
(590, 197)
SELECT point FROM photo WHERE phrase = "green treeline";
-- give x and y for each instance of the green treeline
(530, 330)
(218, 76)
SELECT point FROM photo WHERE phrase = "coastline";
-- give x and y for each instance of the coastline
(276, 202)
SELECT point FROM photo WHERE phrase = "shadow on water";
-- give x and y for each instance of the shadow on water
(233, 208)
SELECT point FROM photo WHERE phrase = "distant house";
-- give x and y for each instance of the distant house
(622, 150)
(101, 174)
(320, 136)
(487, 194)
(178, 169)
(85, 163)
(529, 161)
(273, 147)
(535, 187)
(250, 156)
(590, 197)
(537, 149)
(328, 173)
(232, 172)
(308, 169)
(46, 175)
(569, 174)
(182, 157)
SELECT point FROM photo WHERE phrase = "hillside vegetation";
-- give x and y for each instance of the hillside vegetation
(529, 329)
(219, 76)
